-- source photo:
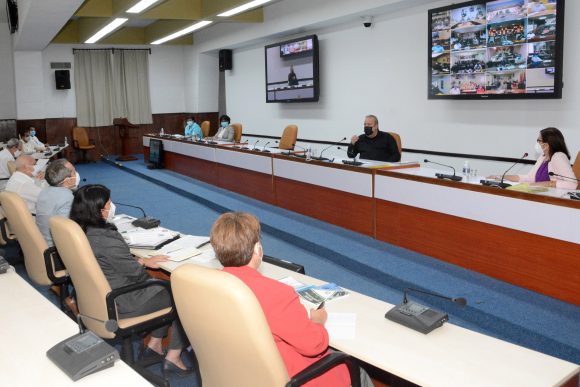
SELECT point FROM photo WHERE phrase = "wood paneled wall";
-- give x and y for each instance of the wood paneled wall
(107, 138)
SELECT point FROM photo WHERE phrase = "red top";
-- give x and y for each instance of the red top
(300, 341)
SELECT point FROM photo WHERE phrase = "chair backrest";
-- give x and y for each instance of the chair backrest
(288, 138)
(227, 328)
(81, 136)
(205, 128)
(576, 168)
(237, 131)
(31, 241)
(11, 166)
(398, 141)
(90, 283)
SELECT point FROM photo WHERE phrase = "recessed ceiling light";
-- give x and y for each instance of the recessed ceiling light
(140, 6)
(243, 8)
(184, 31)
(106, 30)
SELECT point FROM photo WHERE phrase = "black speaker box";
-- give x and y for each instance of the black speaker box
(225, 60)
(62, 78)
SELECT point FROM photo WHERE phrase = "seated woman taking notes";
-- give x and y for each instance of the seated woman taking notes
(553, 156)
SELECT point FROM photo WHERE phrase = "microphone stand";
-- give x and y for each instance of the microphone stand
(453, 177)
(501, 184)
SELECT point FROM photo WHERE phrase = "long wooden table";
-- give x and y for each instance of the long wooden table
(530, 240)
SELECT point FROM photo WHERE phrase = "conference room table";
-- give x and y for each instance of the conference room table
(448, 356)
(29, 326)
(527, 239)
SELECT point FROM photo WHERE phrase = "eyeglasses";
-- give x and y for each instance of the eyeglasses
(540, 141)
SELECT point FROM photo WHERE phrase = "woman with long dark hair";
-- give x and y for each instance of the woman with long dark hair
(93, 210)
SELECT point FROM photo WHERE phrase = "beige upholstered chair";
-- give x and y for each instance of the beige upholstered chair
(205, 128)
(288, 138)
(96, 299)
(237, 132)
(11, 167)
(576, 168)
(40, 261)
(398, 141)
(6, 236)
(82, 143)
(230, 335)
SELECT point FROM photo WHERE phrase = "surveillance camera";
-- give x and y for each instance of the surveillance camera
(367, 21)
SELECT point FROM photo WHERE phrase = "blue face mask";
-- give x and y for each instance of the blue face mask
(32, 133)
(224, 124)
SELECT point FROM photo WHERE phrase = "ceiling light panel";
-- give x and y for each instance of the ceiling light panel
(106, 30)
(141, 6)
(184, 31)
(243, 8)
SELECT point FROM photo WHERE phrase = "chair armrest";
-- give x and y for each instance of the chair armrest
(4, 230)
(75, 144)
(51, 260)
(323, 365)
(110, 300)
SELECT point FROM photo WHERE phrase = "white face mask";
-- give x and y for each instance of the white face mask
(189, 122)
(111, 213)
(17, 154)
(78, 180)
(539, 149)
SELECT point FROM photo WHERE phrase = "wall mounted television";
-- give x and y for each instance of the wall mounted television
(503, 49)
(292, 70)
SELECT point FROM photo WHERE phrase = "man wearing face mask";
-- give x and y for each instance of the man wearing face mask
(192, 129)
(225, 132)
(25, 183)
(31, 141)
(57, 198)
(374, 144)
(10, 153)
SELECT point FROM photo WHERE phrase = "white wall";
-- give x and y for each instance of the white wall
(166, 75)
(383, 70)
(8, 93)
(201, 80)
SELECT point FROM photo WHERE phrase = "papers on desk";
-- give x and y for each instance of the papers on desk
(341, 326)
(39, 166)
(186, 247)
(311, 296)
(525, 187)
(152, 238)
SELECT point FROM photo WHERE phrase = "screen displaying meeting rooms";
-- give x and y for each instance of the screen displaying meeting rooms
(521, 38)
(279, 70)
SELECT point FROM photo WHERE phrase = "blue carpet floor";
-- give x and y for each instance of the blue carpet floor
(352, 260)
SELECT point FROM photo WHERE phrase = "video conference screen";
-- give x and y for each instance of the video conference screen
(292, 70)
(496, 49)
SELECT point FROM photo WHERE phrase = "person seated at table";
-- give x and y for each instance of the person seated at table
(9, 153)
(374, 144)
(31, 142)
(553, 157)
(93, 210)
(25, 183)
(192, 128)
(300, 336)
(225, 131)
(57, 198)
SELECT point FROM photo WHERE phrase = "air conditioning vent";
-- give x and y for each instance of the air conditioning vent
(60, 65)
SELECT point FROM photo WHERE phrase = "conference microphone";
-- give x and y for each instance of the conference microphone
(264, 148)
(302, 156)
(501, 184)
(145, 222)
(240, 145)
(328, 147)
(419, 317)
(573, 195)
(256, 143)
(110, 325)
(453, 177)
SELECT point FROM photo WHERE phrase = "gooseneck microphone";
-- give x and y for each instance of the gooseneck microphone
(295, 154)
(563, 177)
(328, 147)
(453, 177)
(501, 184)
(110, 325)
(145, 222)
(256, 143)
(264, 148)
(241, 145)
(458, 300)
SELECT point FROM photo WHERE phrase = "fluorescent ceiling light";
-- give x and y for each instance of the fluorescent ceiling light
(184, 31)
(140, 6)
(243, 8)
(106, 30)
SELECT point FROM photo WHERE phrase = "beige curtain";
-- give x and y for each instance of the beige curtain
(93, 87)
(109, 86)
(131, 86)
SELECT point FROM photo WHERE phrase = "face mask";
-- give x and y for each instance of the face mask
(224, 124)
(32, 133)
(189, 122)
(111, 214)
(17, 154)
(539, 149)
(78, 179)
(368, 130)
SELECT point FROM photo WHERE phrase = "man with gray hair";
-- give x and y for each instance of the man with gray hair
(57, 198)
(25, 183)
(9, 153)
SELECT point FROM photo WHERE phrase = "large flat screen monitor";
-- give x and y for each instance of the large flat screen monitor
(496, 50)
(292, 70)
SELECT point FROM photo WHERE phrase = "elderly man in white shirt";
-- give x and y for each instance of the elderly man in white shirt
(10, 153)
(24, 183)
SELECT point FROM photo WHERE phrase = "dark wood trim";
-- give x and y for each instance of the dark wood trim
(249, 183)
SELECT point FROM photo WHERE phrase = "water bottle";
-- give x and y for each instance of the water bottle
(65, 141)
(161, 132)
(466, 170)
(309, 153)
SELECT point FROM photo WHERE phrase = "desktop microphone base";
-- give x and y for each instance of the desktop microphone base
(417, 317)
(146, 222)
(448, 177)
(496, 184)
(354, 163)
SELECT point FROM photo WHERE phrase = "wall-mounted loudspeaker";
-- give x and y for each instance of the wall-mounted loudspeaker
(62, 78)
(225, 60)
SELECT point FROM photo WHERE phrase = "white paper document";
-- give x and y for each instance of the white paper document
(341, 326)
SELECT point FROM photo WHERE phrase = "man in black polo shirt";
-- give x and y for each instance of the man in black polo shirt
(374, 144)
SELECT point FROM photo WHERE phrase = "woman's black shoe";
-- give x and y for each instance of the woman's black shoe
(170, 368)
(147, 353)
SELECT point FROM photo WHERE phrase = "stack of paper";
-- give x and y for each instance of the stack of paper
(312, 296)
(152, 238)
